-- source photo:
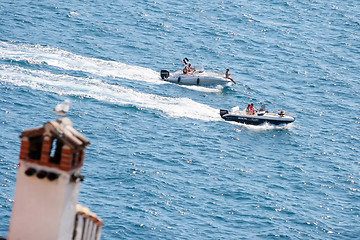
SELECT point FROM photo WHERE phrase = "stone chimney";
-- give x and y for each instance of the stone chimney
(48, 185)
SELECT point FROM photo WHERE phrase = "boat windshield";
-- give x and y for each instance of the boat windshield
(200, 69)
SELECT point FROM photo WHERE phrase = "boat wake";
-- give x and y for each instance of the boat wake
(95, 88)
(62, 59)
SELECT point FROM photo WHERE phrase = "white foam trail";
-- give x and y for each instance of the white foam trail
(97, 89)
(264, 127)
(36, 54)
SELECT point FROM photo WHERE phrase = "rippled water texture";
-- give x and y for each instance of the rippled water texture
(162, 164)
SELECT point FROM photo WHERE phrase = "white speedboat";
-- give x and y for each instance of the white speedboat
(257, 118)
(198, 77)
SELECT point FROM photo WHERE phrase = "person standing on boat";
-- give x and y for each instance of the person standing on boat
(227, 75)
(187, 69)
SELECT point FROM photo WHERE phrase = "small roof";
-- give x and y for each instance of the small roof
(88, 214)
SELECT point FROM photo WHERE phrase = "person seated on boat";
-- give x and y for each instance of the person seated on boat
(227, 75)
(186, 70)
(248, 109)
(252, 109)
(282, 113)
(191, 68)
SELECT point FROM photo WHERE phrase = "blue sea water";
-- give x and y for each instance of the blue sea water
(162, 164)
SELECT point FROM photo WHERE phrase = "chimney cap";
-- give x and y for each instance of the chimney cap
(62, 129)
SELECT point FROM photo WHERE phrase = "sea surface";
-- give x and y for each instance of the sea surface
(162, 164)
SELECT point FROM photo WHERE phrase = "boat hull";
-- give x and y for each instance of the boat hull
(256, 119)
(201, 79)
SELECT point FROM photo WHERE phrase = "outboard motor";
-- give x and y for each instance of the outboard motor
(223, 112)
(164, 74)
